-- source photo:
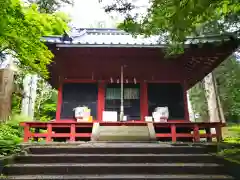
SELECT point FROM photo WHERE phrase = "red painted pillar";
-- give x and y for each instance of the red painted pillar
(49, 133)
(196, 133)
(173, 132)
(143, 100)
(185, 102)
(101, 100)
(59, 103)
(26, 133)
(72, 132)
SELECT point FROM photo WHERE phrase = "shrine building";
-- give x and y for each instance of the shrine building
(90, 65)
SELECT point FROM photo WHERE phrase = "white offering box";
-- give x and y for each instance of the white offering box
(148, 118)
(161, 114)
(110, 116)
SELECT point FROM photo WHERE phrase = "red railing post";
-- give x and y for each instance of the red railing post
(73, 132)
(26, 133)
(49, 133)
(173, 132)
(196, 134)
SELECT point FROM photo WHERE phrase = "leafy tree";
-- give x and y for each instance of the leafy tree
(21, 30)
(228, 83)
(175, 20)
(50, 6)
(46, 101)
(199, 102)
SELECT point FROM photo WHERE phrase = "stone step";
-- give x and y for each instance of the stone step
(114, 168)
(124, 177)
(113, 158)
(121, 149)
(121, 133)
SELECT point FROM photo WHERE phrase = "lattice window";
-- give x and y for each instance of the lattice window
(113, 93)
(131, 93)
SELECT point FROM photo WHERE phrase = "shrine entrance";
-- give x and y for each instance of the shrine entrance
(131, 100)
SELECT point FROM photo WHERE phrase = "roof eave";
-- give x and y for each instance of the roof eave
(111, 45)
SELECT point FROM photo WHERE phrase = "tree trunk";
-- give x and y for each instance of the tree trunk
(32, 99)
(25, 100)
(219, 105)
(211, 98)
(6, 89)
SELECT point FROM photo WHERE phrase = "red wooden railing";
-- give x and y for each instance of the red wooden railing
(194, 130)
(50, 134)
(195, 134)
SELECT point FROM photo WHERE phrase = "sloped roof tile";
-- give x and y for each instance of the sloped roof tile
(115, 37)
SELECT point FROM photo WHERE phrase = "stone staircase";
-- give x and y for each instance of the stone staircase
(115, 161)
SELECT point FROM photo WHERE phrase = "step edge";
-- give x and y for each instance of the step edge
(109, 155)
(129, 175)
(116, 165)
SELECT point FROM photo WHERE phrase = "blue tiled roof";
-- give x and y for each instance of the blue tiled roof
(113, 38)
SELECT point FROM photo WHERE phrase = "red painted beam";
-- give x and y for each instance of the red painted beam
(79, 81)
(62, 135)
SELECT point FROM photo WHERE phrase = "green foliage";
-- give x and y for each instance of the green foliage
(16, 103)
(11, 134)
(230, 149)
(17, 92)
(232, 154)
(233, 134)
(50, 6)
(199, 102)
(21, 29)
(46, 102)
(228, 83)
(176, 20)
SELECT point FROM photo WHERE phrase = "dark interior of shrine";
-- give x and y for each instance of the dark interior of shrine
(79, 94)
(159, 95)
(169, 95)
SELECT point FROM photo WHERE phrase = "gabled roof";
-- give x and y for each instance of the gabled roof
(102, 37)
(88, 43)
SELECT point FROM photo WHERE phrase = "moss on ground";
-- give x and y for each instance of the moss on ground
(230, 149)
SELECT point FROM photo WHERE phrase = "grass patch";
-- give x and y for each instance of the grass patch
(231, 154)
(232, 134)
(3, 176)
(11, 135)
(231, 147)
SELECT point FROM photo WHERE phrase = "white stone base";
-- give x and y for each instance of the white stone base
(123, 133)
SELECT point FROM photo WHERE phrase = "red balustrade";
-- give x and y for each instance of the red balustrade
(194, 131)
